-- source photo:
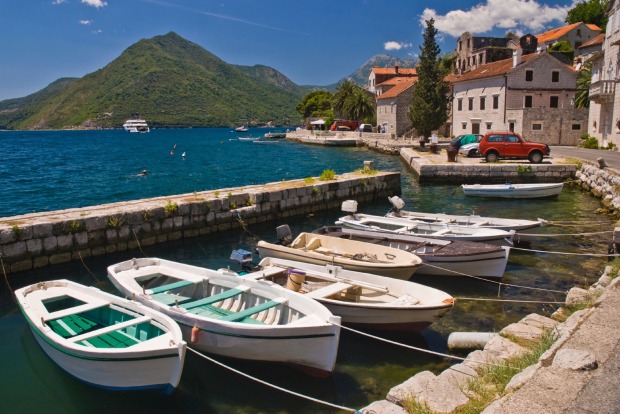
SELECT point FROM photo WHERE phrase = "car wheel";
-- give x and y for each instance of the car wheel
(472, 153)
(492, 156)
(535, 157)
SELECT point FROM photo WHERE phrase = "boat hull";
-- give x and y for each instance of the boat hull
(490, 265)
(513, 190)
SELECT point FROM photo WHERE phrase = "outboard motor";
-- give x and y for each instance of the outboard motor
(284, 235)
(397, 204)
(244, 258)
(349, 206)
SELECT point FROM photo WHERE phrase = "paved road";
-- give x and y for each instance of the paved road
(612, 158)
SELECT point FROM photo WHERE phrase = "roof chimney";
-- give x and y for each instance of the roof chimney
(516, 57)
(396, 69)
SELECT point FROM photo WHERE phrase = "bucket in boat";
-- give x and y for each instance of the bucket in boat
(295, 279)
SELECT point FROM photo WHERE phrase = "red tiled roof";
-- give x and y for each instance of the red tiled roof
(554, 34)
(392, 71)
(489, 70)
(394, 81)
(595, 41)
(398, 89)
(593, 27)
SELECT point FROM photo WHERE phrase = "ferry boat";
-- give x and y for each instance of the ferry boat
(136, 125)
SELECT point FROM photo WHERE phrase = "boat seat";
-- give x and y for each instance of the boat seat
(169, 286)
(71, 325)
(111, 330)
(330, 290)
(170, 298)
(442, 231)
(227, 294)
(313, 244)
(239, 316)
(405, 300)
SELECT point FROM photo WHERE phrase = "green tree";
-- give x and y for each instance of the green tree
(564, 47)
(591, 11)
(353, 102)
(316, 104)
(430, 103)
(342, 96)
(582, 96)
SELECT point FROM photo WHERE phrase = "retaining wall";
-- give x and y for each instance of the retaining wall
(603, 183)
(35, 240)
(487, 173)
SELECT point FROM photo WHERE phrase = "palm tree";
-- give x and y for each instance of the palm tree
(360, 105)
(342, 95)
(582, 96)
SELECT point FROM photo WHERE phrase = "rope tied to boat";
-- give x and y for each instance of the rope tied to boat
(568, 253)
(530, 235)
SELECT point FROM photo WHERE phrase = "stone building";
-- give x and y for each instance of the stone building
(532, 95)
(604, 112)
(380, 75)
(393, 104)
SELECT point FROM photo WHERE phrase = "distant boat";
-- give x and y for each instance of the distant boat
(275, 135)
(250, 138)
(183, 155)
(102, 339)
(242, 129)
(136, 125)
(508, 190)
(260, 141)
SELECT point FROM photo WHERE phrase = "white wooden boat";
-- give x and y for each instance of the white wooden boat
(350, 254)
(248, 138)
(445, 231)
(507, 190)
(439, 257)
(225, 315)
(242, 128)
(522, 228)
(102, 339)
(363, 300)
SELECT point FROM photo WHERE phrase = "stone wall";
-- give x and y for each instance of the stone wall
(487, 173)
(603, 183)
(35, 240)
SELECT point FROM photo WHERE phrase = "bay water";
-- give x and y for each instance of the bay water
(43, 171)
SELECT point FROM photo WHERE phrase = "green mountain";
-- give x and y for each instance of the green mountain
(360, 76)
(170, 82)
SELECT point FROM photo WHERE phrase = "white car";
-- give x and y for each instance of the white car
(470, 150)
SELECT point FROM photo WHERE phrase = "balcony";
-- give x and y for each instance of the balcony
(603, 91)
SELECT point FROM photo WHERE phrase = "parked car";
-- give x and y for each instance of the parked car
(470, 150)
(365, 128)
(352, 125)
(496, 145)
(461, 140)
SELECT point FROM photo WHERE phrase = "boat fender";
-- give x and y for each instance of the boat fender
(195, 334)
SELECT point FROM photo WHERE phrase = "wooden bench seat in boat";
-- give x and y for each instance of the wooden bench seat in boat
(215, 298)
(71, 325)
(246, 313)
(330, 290)
(170, 299)
(169, 286)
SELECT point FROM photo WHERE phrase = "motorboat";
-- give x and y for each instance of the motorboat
(136, 125)
(250, 138)
(350, 254)
(445, 231)
(439, 257)
(234, 317)
(102, 339)
(523, 228)
(362, 300)
(242, 128)
(507, 190)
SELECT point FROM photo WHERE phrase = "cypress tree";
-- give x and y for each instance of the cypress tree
(430, 103)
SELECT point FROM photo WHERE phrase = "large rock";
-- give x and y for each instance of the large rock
(383, 407)
(503, 348)
(575, 359)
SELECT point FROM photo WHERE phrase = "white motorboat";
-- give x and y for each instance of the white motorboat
(522, 228)
(350, 254)
(136, 125)
(102, 339)
(439, 257)
(242, 128)
(537, 190)
(363, 300)
(250, 138)
(233, 317)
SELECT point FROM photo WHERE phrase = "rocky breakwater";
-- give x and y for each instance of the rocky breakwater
(584, 340)
(602, 182)
(35, 240)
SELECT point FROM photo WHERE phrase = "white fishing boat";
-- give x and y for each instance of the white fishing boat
(248, 138)
(233, 317)
(262, 141)
(508, 190)
(362, 300)
(242, 128)
(350, 254)
(445, 231)
(102, 339)
(523, 228)
(439, 257)
(136, 125)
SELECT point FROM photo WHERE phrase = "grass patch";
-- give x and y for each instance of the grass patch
(309, 180)
(327, 175)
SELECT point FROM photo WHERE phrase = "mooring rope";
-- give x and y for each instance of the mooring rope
(567, 253)
(89, 271)
(277, 387)
(138, 241)
(511, 300)
(6, 279)
(563, 234)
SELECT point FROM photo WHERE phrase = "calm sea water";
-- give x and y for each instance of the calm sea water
(54, 170)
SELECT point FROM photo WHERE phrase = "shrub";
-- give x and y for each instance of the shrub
(589, 142)
(327, 175)
(170, 208)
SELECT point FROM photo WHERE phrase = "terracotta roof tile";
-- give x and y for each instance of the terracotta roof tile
(394, 81)
(594, 41)
(556, 33)
(593, 27)
(392, 71)
(489, 70)
(398, 89)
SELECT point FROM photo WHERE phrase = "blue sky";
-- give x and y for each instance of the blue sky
(311, 42)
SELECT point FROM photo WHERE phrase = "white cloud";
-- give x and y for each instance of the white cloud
(95, 3)
(515, 15)
(86, 22)
(392, 45)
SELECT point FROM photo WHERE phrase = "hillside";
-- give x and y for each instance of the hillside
(360, 76)
(170, 81)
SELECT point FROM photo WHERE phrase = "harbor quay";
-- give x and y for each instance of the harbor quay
(36, 240)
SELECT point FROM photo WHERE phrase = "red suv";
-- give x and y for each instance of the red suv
(496, 145)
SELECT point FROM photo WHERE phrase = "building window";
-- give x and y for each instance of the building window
(471, 104)
(554, 101)
(460, 45)
(489, 125)
(464, 125)
(529, 75)
(482, 103)
(576, 127)
(537, 127)
(579, 32)
(528, 101)
(495, 101)
(511, 127)
(555, 76)
(459, 104)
